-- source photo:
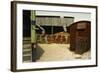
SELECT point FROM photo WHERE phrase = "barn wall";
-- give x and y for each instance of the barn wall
(78, 16)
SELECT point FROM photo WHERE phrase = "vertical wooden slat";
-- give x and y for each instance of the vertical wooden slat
(33, 27)
(33, 35)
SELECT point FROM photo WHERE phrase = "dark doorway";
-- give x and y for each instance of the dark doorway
(26, 23)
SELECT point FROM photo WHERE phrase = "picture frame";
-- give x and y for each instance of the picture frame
(53, 11)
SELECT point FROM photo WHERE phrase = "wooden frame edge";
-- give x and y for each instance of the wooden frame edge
(13, 36)
(14, 30)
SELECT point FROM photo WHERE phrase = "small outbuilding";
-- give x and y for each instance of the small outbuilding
(80, 36)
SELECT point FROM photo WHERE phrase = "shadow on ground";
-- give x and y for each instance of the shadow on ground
(38, 53)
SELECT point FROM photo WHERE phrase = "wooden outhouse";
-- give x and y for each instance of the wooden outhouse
(80, 36)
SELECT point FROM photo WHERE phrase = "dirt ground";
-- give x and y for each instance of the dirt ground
(60, 52)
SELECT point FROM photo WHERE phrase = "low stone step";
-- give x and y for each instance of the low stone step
(27, 54)
(27, 38)
(26, 42)
(27, 59)
(26, 46)
(27, 49)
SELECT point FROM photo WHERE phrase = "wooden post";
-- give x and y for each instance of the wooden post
(33, 35)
